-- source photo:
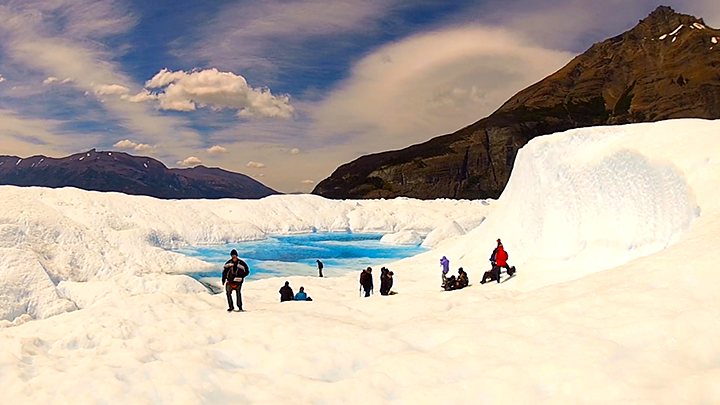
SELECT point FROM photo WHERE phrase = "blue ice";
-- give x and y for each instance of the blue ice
(295, 255)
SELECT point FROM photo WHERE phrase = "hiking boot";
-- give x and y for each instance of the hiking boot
(230, 309)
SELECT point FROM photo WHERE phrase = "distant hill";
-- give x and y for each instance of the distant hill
(668, 66)
(121, 172)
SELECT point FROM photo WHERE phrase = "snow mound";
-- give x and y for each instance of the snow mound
(587, 200)
(442, 234)
(402, 238)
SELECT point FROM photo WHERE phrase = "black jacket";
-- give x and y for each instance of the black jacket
(366, 280)
(286, 293)
(233, 271)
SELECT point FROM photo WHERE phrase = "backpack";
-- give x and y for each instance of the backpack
(238, 271)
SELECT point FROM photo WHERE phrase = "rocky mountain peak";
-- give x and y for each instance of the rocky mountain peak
(667, 66)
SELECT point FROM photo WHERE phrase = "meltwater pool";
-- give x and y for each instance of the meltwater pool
(295, 255)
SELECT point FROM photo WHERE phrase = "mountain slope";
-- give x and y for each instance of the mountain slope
(121, 172)
(668, 66)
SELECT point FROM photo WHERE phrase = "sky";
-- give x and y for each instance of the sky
(284, 91)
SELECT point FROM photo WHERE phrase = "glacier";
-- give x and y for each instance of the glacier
(614, 231)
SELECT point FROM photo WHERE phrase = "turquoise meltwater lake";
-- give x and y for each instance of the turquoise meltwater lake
(295, 255)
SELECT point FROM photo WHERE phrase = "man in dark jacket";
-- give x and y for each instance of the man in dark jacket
(366, 281)
(234, 272)
(286, 293)
(320, 267)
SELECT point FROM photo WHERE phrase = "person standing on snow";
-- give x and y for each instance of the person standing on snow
(366, 281)
(320, 267)
(445, 263)
(234, 272)
(499, 260)
(286, 292)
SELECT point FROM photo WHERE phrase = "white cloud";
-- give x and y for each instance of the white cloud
(255, 165)
(110, 89)
(50, 80)
(2, 79)
(402, 94)
(141, 97)
(294, 151)
(247, 34)
(128, 145)
(216, 150)
(182, 91)
(190, 161)
(307, 182)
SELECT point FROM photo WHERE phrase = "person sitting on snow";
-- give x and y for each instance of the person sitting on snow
(302, 295)
(462, 279)
(286, 292)
(386, 281)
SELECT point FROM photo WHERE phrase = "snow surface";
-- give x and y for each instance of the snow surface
(402, 238)
(714, 40)
(614, 231)
(677, 29)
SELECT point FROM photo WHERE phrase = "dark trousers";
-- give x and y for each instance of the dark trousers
(367, 291)
(229, 287)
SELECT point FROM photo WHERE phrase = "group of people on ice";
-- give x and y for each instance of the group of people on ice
(386, 281)
(286, 294)
(498, 260)
(235, 271)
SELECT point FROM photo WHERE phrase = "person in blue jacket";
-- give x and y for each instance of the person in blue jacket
(302, 295)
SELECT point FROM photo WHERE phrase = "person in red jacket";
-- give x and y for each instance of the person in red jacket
(499, 260)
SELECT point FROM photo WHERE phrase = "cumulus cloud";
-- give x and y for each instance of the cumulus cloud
(217, 150)
(294, 151)
(190, 161)
(130, 145)
(110, 89)
(307, 182)
(255, 165)
(2, 79)
(186, 91)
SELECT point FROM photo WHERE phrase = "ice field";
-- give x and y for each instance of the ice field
(615, 232)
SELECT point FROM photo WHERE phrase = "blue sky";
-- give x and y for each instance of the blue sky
(284, 91)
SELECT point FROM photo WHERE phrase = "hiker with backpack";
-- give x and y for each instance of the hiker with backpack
(286, 292)
(234, 273)
(366, 281)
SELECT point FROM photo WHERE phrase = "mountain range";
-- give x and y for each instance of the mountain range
(121, 172)
(667, 66)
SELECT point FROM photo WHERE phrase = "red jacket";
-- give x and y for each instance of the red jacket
(501, 256)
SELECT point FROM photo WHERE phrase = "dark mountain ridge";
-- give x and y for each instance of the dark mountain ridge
(136, 175)
(668, 66)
